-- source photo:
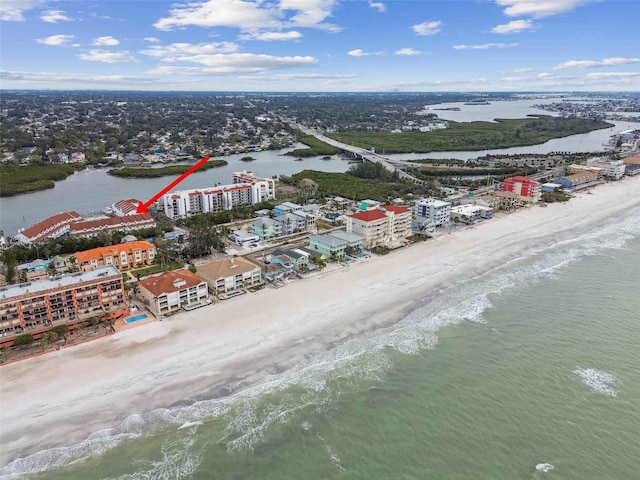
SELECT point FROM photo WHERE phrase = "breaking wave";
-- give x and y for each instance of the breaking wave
(313, 386)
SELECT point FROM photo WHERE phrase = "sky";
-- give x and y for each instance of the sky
(321, 45)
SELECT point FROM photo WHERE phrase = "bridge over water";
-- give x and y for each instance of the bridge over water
(362, 153)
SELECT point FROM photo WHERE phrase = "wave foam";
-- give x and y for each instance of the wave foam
(250, 413)
(544, 467)
(597, 380)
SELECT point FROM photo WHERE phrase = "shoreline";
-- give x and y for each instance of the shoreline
(60, 398)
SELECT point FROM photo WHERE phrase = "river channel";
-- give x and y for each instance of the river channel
(91, 190)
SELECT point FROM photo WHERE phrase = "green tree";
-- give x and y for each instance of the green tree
(108, 323)
(61, 331)
(94, 322)
(5, 351)
(11, 264)
(25, 339)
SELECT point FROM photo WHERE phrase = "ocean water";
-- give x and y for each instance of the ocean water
(530, 371)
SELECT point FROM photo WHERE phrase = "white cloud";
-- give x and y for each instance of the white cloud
(225, 64)
(381, 7)
(12, 10)
(250, 16)
(514, 79)
(427, 28)
(545, 75)
(53, 16)
(607, 62)
(56, 40)
(513, 26)
(269, 36)
(72, 77)
(538, 8)
(523, 70)
(151, 39)
(108, 41)
(485, 46)
(108, 57)
(408, 51)
(607, 75)
(358, 52)
(300, 76)
(180, 51)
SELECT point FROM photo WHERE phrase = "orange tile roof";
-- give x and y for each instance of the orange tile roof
(113, 250)
(369, 216)
(164, 283)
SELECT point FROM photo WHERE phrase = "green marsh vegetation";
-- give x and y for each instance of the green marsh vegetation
(473, 135)
(141, 172)
(18, 179)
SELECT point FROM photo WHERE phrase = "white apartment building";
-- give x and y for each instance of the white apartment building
(434, 210)
(613, 169)
(246, 190)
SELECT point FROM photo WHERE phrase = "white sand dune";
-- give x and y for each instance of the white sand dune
(60, 398)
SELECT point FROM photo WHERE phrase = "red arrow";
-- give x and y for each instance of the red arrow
(142, 208)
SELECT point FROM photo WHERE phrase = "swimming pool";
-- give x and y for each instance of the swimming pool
(192, 306)
(136, 318)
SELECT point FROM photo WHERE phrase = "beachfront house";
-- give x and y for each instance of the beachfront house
(334, 244)
(169, 291)
(230, 274)
(296, 258)
(328, 245)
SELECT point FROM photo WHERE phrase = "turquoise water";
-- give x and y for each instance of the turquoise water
(536, 364)
(136, 318)
(193, 306)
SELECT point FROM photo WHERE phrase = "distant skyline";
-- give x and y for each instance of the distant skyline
(321, 45)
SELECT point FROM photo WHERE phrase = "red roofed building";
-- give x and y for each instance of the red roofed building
(125, 207)
(171, 290)
(52, 227)
(93, 226)
(379, 226)
(523, 186)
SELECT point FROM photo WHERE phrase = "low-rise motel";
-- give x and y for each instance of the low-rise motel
(36, 307)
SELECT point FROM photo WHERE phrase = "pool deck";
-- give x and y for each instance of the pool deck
(122, 325)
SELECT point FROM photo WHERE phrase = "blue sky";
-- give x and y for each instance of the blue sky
(321, 45)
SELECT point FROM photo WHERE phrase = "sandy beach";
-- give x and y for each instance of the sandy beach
(60, 398)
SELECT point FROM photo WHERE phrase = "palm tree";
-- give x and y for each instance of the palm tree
(94, 322)
(61, 330)
(5, 351)
(108, 323)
